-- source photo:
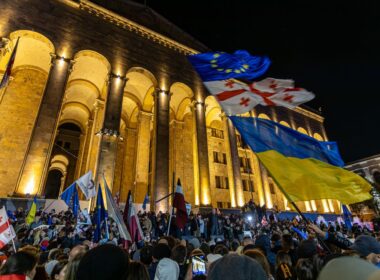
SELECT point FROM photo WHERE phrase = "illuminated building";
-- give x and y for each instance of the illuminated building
(92, 89)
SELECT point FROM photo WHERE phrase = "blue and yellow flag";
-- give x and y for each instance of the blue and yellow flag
(305, 168)
(215, 66)
(32, 212)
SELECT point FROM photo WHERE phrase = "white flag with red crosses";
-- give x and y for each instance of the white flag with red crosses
(7, 232)
(236, 97)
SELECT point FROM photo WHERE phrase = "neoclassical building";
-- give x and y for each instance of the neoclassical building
(106, 86)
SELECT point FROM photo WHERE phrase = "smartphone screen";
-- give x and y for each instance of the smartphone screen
(199, 266)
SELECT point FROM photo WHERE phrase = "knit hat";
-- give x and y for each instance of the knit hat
(235, 267)
(307, 249)
(347, 268)
(167, 269)
(366, 245)
(104, 262)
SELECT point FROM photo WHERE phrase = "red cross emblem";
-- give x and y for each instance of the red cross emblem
(288, 98)
(229, 84)
(273, 84)
(244, 101)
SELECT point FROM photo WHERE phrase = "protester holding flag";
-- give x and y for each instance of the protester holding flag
(132, 220)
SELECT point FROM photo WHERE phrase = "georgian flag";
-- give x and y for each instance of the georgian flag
(7, 232)
(236, 97)
(86, 184)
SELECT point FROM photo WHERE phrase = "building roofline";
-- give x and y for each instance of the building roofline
(363, 159)
(130, 25)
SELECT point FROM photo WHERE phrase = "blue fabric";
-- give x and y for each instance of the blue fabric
(215, 66)
(288, 215)
(346, 217)
(70, 197)
(264, 135)
(146, 201)
(302, 234)
(100, 216)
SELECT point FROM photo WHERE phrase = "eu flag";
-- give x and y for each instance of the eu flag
(70, 196)
(100, 216)
(215, 66)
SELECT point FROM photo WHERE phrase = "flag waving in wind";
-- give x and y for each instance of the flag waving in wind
(132, 220)
(86, 184)
(70, 196)
(100, 216)
(236, 97)
(32, 212)
(180, 205)
(8, 69)
(304, 168)
(214, 66)
(7, 232)
(114, 212)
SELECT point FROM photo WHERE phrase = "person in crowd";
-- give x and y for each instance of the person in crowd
(137, 271)
(179, 254)
(21, 265)
(160, 251)
(262, 260)
(59, 270)
(167, 269)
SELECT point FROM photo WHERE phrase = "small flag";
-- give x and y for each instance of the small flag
(114, 212)
(8, 69)
(214, 66)
(32, 212)
(7, 232)
(70, 196)
(180, 205)
(86, 184)
(302, 234)
(346, 215)
(100, 216)
(145, 202)
(132, 220)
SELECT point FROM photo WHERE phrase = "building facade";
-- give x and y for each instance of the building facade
(105, 86)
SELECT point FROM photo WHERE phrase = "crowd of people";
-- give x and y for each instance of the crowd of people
(250, 245)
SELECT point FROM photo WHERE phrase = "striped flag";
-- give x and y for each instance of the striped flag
(7, 232)
(8, 69)
(32, 212)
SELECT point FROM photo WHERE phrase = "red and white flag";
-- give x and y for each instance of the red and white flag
(7, 232)
(236, 97)
(8, 69)
(180, 205)
(132, 221)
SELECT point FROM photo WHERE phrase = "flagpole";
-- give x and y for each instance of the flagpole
(106, 218)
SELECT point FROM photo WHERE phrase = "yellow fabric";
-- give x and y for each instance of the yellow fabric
(31, 214)
(308, 179)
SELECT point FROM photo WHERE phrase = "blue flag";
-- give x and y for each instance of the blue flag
(215, 66)
(100, 216)
(346, 217)
(302, 234)
(70, 196)
(145, 202)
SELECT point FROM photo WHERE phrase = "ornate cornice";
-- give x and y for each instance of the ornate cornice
(134, 27)
(309, 114)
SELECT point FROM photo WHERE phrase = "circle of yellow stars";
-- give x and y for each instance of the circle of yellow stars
(214, 64)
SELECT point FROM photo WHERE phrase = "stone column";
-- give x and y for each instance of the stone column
(110, 132)
(204, 173)
(268, 196)
(161, 149)
(142, 155)
(63, 180)
(36, 161)
(233, 160)
(91, 162)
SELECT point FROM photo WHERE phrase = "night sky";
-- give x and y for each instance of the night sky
(328, 48)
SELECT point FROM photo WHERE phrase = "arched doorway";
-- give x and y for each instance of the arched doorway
(65, 155)
(53, 184)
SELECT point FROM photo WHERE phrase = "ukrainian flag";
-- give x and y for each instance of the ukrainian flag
(32, 212)
(303, 167)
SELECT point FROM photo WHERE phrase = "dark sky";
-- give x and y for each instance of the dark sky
(329, 48)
